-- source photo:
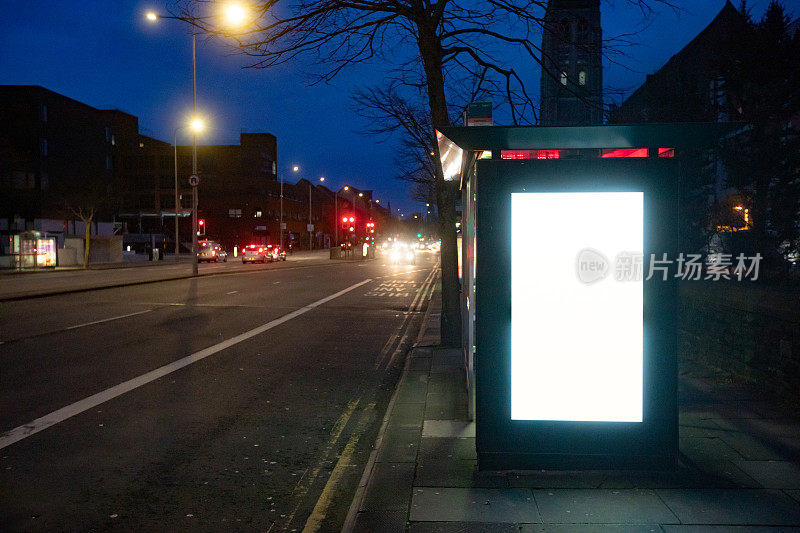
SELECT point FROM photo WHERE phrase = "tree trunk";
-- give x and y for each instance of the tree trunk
(87, 240)
(430, 52)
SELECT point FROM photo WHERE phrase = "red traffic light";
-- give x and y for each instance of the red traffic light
(201, 222)
(352, 219)
(344, 219)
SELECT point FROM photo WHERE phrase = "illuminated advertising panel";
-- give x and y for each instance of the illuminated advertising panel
(576, 329)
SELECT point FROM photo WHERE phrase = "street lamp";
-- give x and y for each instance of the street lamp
(196, 123)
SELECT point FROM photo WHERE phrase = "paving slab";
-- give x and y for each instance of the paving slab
(728, 529)
(720, 474)
(461, 527)
(446, 406)
(385, 522)
(602, 506)
(754, 448)
(421, 351)
(700, 449)
(766, 426)
(590, 528)
(557, 479)
(445, 448)
(435, 472)
(450, 380)
(448, 428)
(773, 474)
(794, 494)
(389, 487)
(400, 445)
(732, 506)
(502, 506)
(422, 364)
(406, 415)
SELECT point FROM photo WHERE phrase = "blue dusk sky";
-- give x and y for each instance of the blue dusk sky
(105, 54)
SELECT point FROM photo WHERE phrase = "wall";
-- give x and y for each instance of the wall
(105, 249)
(750, 330)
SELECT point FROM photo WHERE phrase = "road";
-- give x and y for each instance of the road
(244, 400)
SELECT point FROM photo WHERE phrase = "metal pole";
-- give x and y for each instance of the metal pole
(281, 223)
(177, 204)
(309, 216)
(336, 218)
(194, 158)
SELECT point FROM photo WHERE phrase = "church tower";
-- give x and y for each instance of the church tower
(572, 57)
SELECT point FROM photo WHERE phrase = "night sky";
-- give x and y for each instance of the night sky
(105, 54)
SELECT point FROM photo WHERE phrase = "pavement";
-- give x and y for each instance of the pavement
(738, 471)
(20, 285)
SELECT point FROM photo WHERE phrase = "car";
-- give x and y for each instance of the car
(254, 253)
(275, 253)
(211, 251)
(402, 254)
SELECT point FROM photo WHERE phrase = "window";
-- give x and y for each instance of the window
(582, 77)
(563, 30)
(43, 147)
(235, 213)
(563, 78)
(109, 162)
(583, 29)
(108, 134)
(257, 213)
(43, 113)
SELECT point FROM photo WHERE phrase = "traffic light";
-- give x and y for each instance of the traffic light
(201, 227)
(370, 227)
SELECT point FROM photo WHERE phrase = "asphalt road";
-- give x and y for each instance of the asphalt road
(244, 400)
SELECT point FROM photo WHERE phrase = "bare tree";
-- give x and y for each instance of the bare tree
(433, 45)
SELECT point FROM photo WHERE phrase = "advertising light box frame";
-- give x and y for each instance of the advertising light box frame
(585, 434)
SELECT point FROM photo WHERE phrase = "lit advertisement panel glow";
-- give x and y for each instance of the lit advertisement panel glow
(576, 331)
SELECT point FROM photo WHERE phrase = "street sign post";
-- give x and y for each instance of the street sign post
(194, 180)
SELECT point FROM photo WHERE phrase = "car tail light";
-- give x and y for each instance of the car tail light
(260, 249)
(213, 252)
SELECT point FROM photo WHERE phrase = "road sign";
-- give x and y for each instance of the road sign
(194, 180)
(479, 114)
(309, 227)
(283, 225)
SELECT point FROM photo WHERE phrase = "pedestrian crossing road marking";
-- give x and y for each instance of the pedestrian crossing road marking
(397, 288)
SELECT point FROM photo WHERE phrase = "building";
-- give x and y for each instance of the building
(572, 64)
(689, 87)
(61, 156)
(738, 196)
(236, 184)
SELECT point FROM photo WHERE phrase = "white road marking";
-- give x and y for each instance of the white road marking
(232, 292)
(108, 319)
(21, 432)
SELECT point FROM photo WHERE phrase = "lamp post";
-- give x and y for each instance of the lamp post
(235, 15)
(196, 124)
(177, 202)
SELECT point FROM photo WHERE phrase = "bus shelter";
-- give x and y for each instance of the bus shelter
(33, 249)
(570, 346)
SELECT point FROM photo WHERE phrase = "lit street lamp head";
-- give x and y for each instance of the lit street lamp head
(322, 179)
(152, 17)
(346, 188)
(235, 15)
(295, 168)
(197, 125)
